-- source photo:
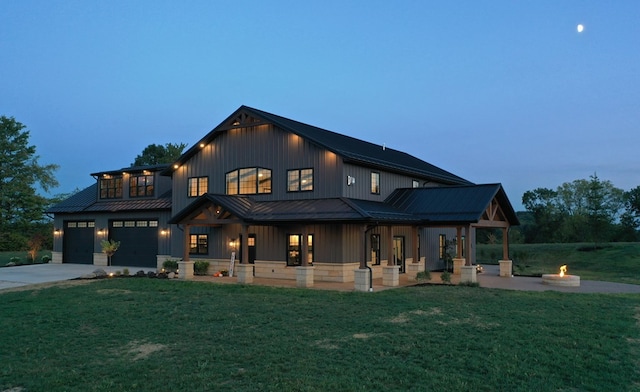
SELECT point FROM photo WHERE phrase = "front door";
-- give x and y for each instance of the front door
(398, 252)
(252, 248)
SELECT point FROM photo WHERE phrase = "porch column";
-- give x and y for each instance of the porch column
(391, 272)
(458, 260)
(416, 266)
(362, 275)
(185, 267)
(244, 270)
(506, 264)
(468, 272)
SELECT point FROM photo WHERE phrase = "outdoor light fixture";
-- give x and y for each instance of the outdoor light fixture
(164, 232)
(202, 145)
(57, 231)
(232, 243)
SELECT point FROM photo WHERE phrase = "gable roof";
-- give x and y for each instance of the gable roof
(349, 148)
(444, 206)
(453, 204)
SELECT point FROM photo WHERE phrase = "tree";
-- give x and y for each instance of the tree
(20, 174)
(155, 154)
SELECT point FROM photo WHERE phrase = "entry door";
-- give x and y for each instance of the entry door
(252, 248)
(398, 252)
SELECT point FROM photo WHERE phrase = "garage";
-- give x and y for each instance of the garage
(138, 242)
(78, 242)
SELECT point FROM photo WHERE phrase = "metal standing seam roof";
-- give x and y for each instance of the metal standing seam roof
(86, 201)
(351, 149)
(437, 205)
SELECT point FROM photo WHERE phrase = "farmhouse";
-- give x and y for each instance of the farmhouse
(286, 200)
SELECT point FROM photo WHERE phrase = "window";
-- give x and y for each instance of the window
(140, 186)
(294, 249)
(248, 181)
(111, 187)
(415, 184)
(443, 246)
(299, 180)
(375, 249)
(198, 186)
(198, 244)
(375, 183)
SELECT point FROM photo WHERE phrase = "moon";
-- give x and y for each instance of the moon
(580, 28)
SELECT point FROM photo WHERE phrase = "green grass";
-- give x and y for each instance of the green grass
(154, 335)
(614, 262)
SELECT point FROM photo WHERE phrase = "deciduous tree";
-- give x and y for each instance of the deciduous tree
(155, 154)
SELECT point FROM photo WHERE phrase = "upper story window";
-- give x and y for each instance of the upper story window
(111, 187)
(141, 186)
(415, 184)
(299, 180)
(375, 183)
(248, 181)
(198, 186)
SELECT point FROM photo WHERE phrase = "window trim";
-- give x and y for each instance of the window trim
(198, 249)
(257, 190)
(298, 180)
(114, 185)
(375, 188)
(148, 189)
(198, 186)
(298, 258)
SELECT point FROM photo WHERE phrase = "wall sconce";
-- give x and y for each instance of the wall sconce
(232, 244)
(351, 180)
(57, 231)
(164, 232)
(102, 232)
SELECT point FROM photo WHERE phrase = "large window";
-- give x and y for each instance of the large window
(198, 244)
(248, 181)
(300, 180)
(294, 249)
(442, 246)
(375, 249)
(111, 187)
(141, 186)
(198, 186)
(375, 183)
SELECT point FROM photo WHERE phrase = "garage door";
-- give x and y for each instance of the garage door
(138, 242)
(77, 246)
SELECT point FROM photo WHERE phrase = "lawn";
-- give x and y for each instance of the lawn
(137, 334)
(614, 262)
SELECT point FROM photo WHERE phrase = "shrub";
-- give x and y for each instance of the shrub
(46, 258)
(125, 272)
(423, 275)
(200, 267)
(170, 265)
(15, 260)
(446, 277)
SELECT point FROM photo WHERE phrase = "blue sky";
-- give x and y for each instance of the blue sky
(493, 91)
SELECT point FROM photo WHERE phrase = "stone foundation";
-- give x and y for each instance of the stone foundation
(304, 276)
(391, 275)
(468, 274)
(244, 273)
(185, 270)
(506, 268)
(361, 279)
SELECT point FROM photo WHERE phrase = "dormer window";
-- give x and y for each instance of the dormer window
(111, 187)
(141, 185)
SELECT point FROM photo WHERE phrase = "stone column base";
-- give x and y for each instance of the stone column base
(185, 270)
(100, 259)
(56, 257)
(413, 269)
(391, 275)
(244, 272)
(361, 279)
(468, 274)
(457, 264)
(506, 268)
(304, 276)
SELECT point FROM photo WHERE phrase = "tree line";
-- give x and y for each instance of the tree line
(585, 210)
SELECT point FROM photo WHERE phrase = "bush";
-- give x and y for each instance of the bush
(170, 265)
(200, 267)
(446, 277)
(125, 272)
(423, 275)
(15, 260)
(46, 258)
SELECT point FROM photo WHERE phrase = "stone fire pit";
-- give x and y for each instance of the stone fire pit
(561, 279)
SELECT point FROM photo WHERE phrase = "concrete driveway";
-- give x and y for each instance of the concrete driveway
(24, 275)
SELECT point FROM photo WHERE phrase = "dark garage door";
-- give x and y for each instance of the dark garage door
(78, 240)
(138, 243)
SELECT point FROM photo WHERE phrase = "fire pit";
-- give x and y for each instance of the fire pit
(561, 279)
